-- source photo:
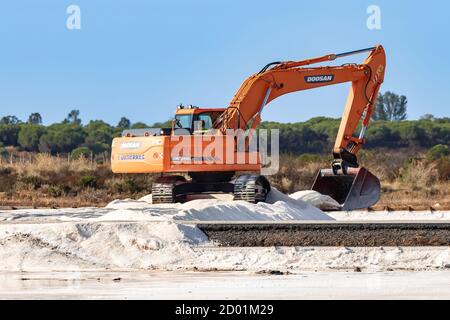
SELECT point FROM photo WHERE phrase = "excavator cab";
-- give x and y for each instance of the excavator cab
(194, 120)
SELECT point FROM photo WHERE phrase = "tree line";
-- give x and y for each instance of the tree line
(390, 129)
(317, 135)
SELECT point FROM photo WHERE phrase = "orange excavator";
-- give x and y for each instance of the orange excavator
(179, 152)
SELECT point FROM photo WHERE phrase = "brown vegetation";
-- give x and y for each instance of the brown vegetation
(408, 178)
(47, 181)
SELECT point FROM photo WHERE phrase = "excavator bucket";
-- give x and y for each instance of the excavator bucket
(355, 190)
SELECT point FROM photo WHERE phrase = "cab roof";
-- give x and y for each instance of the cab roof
(198, 110)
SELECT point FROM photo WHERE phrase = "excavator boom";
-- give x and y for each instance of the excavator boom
(261, 88)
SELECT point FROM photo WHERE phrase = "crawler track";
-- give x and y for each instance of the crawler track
(351, 234)
(251, 188)
(163, 189)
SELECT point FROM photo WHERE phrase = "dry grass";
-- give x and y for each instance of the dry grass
(407, 181)
(45, 181)
(400, 197)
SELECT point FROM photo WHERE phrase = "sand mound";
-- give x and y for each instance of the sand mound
(95, 245)
(279, 206)
(131, 233)
(165, 245)
(135, 234)
(321, 201)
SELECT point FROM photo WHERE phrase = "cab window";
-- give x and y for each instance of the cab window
(204, 121)
(183, 121)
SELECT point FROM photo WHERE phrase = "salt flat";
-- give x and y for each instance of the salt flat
(138, 235)
(225, 285)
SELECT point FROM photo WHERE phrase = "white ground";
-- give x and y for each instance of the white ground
(137, 236)
(225, 285)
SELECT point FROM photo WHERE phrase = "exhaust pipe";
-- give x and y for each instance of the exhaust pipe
(357, 189)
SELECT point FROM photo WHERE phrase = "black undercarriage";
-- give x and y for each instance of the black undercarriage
(248, 187)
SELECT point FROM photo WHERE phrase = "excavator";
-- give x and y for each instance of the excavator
(185, 171)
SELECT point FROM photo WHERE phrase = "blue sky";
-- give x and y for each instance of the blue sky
(140, 59)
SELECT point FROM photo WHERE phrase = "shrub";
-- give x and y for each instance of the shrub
(125, 185)
(58, 190)
(420, 176)
(438, 151)
(80, 152)
(8, 179)
(88, 181)
(308, 157)
(34, 181)
(131, 184)
(3, 151)
(296, 173)
(443, 167)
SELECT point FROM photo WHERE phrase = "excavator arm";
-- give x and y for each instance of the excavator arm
(279, 78)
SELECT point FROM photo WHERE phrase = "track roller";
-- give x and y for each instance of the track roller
(251, 187)
(163, 189)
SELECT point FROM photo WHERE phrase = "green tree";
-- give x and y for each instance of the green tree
(98, 136)
(415, 135)
(382, 136)
(9, 134)
(35, 118)
(124, 123)
(11, 120)
(165, 124)
(61, 137)
(427, 116)
(29, 136)
(73, 117)
(139, 125)
(302, 140)
(390, 107)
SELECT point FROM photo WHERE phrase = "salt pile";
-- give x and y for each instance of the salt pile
(136, 234)
(321, 201)
(95, 245)
(129, 233)
(159, 245)
(279, 207)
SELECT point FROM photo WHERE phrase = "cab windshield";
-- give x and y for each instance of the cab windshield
(183, 121)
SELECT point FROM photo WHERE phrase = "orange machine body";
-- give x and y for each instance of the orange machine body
(154, 152)
(173, 153)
